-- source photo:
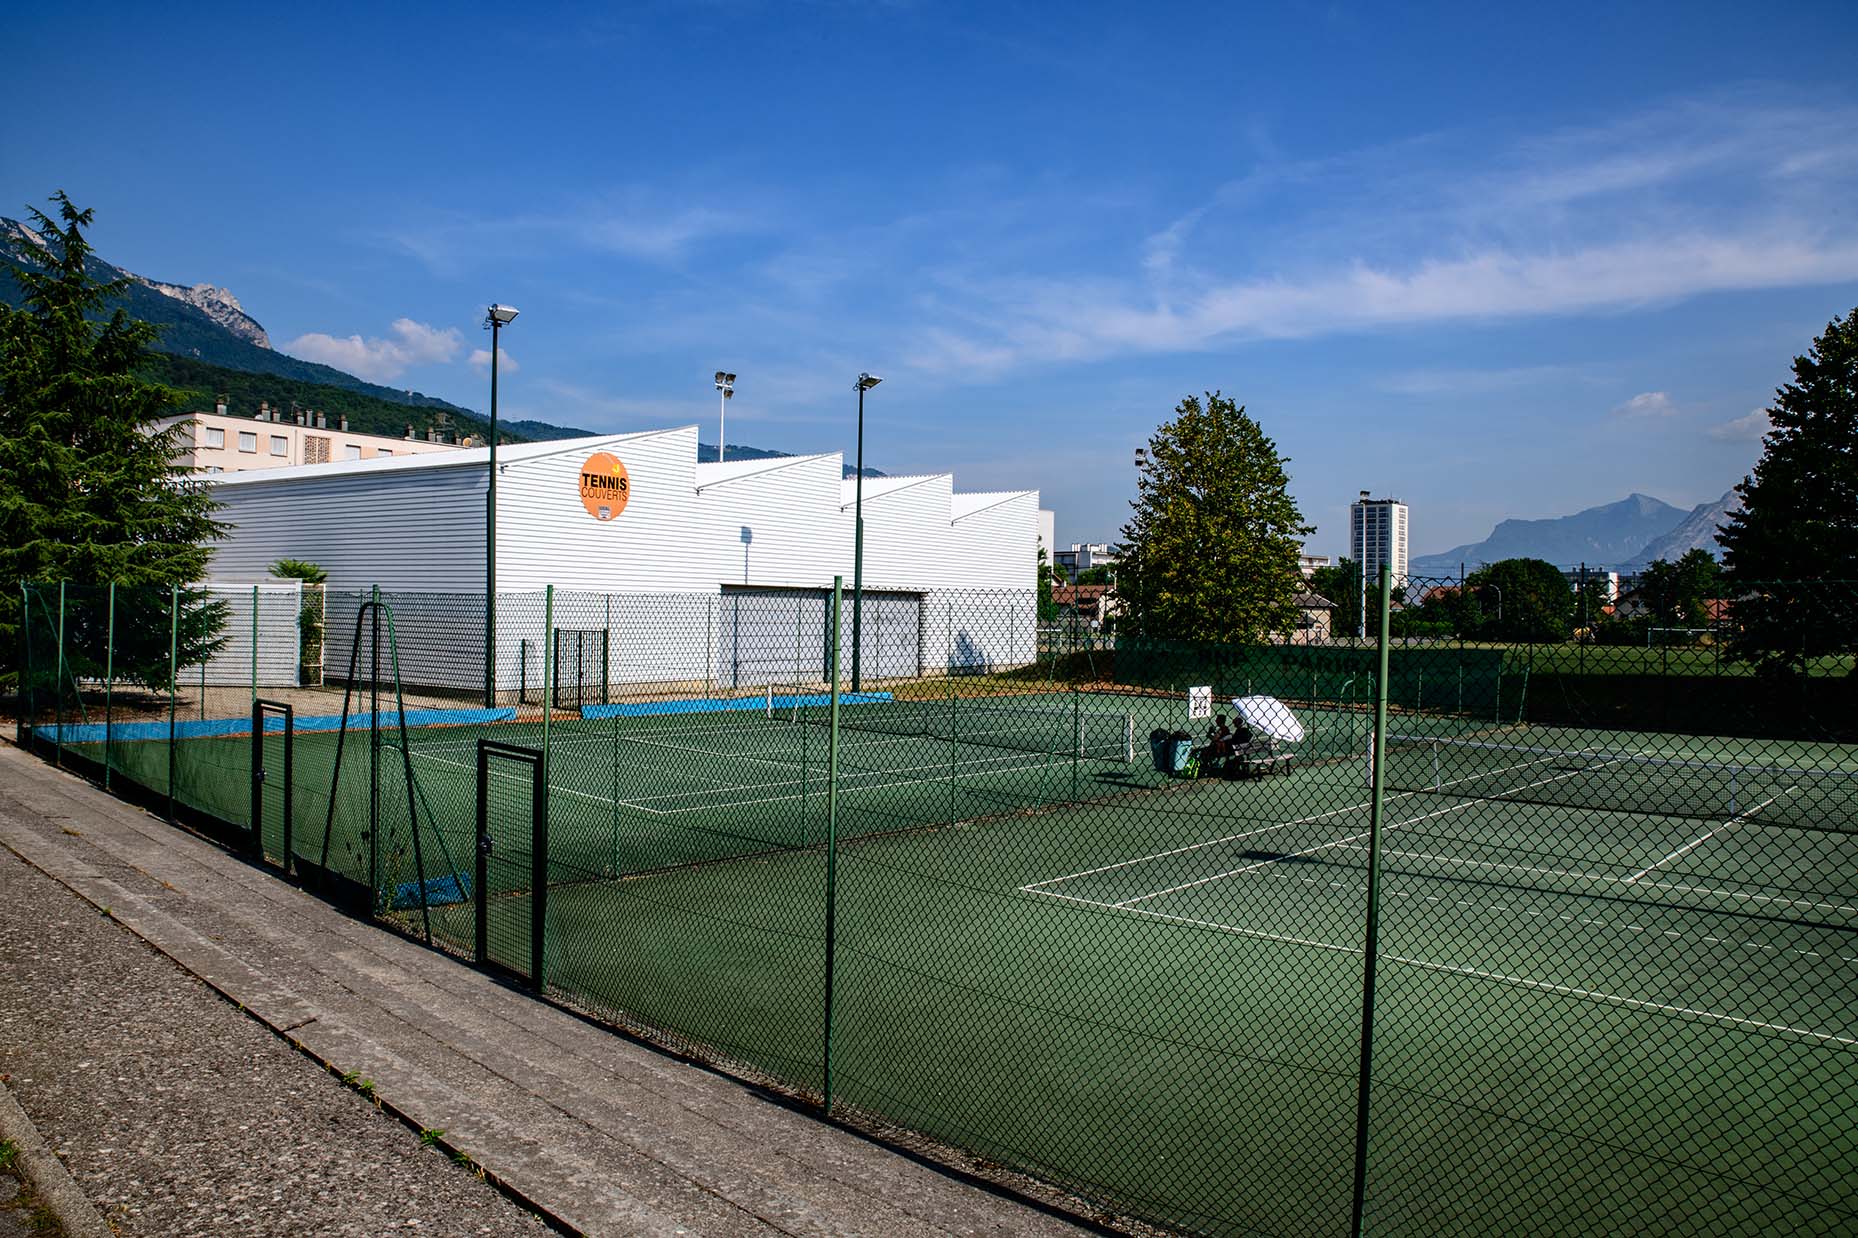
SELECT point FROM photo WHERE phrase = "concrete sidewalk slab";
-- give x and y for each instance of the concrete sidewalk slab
(603, 1134)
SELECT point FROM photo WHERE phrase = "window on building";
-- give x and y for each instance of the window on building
(315, 449)
(385, 451)
(215, 437)
(214, 468)
(280, 446)
(352, 452)
(248, 440)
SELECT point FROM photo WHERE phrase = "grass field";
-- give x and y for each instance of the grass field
(1149, 989)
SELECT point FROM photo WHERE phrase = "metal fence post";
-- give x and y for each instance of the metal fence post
(374, 751)
(23, 724)
(58, 686)
(174, 648)
(538, 899)
(109, 677)
(1371, 943)
(832, 830)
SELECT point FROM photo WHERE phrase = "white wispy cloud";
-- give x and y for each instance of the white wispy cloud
(1647, 404)
(1726, 195)
(1748, 428)
(381, 359)
(480, 360)
(1464, 382)
(658, 225)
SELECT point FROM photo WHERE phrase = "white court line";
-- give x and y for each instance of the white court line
(1693, 845)
(1339, 842)
(1234, 929)
(1007, 761)
(1633, 1003)
(1522, 981)
(1547, 986)
(741, 803)
(1741, 895)
(1321, 816)
(552, 787)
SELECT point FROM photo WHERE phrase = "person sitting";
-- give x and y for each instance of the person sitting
(1218, 746)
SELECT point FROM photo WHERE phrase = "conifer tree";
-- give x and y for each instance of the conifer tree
(1211, 553)
(90, 491)
(1797, 528)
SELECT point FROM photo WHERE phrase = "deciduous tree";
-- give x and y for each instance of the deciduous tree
(1211, 552)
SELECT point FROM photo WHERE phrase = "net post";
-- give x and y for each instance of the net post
(174, 646)
(109, 677)
(254, 646)
(1371, 940)
(1077, 740)
(832, 834)
(22, 725)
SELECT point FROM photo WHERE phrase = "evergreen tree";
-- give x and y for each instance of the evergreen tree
(1211, 553)
(1798, 522)
(90, 491)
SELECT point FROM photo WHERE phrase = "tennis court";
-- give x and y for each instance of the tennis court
(1051, 955)
(1200, 938)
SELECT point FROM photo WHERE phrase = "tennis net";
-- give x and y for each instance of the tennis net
(1047, 726)
(1807, 797)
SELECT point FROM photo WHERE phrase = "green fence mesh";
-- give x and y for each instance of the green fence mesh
(1019, 901)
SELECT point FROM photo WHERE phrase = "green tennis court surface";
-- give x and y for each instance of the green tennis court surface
(1152, 988)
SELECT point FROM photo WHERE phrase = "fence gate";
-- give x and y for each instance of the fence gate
(511, 890)
(273, 845)
(580, 667)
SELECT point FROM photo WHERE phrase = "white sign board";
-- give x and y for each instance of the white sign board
(1200, 702)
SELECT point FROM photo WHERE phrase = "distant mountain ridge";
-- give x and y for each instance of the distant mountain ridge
(1697, 531)
(1611, 533)
(215, 347)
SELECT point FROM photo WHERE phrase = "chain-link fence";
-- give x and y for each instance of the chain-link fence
(1577, 952)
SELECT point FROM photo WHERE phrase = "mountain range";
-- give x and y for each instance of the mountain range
(210, 346)
(1622, 536)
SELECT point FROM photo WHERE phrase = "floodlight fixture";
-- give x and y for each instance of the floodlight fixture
(725, 383)
(868, 381)
(500, 315)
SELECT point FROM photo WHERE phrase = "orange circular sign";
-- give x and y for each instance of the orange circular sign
(605, 486)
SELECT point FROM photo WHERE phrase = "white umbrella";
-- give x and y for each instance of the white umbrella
(1266, 715)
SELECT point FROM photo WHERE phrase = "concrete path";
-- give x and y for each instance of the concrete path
(599, 1134)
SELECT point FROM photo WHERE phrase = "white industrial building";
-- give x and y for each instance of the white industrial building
(688, 573)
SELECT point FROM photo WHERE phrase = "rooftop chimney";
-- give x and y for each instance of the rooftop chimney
(219, 405)
(264, 410)
(322, 421)
(409, 431)
(341, 422)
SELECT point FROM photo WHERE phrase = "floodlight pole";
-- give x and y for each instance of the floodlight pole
(864, 384)
(495, 319)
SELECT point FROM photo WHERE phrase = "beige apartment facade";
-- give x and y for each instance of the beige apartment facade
(220, 443)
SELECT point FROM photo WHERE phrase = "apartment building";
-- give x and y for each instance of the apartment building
(1377, 533)
(218, 442)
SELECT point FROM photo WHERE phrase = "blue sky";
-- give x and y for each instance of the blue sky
(1494, 265)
